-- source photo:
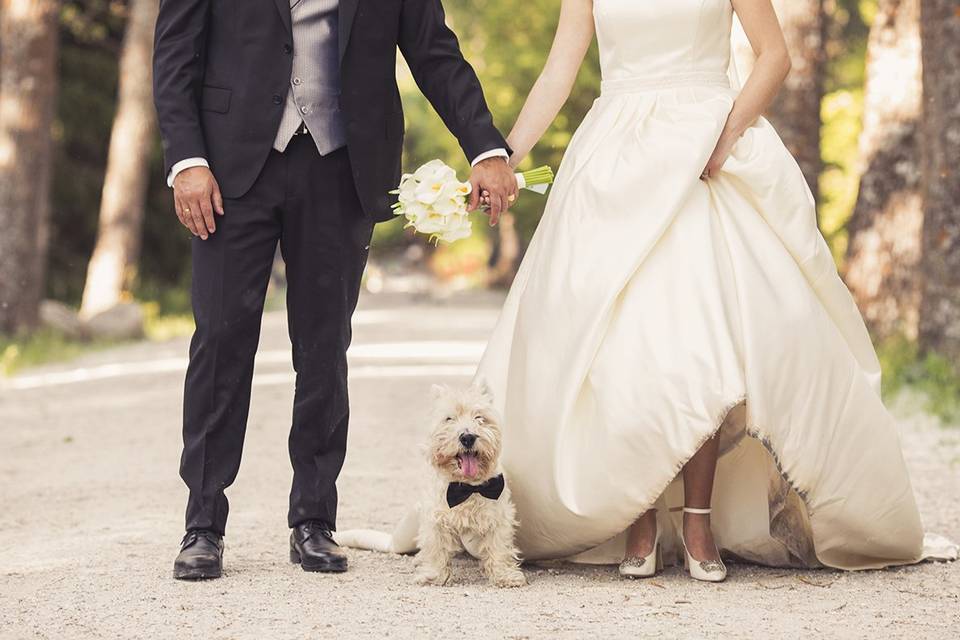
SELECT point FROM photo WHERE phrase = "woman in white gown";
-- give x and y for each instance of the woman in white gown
(677, 335)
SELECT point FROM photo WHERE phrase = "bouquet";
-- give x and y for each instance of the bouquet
(434, 201)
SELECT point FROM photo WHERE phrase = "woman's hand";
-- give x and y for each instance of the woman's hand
(719, 156)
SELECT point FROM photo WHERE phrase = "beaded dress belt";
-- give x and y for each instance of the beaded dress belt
(637, 84)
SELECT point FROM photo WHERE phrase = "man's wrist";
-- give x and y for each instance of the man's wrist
(493, 153)
(183, 165)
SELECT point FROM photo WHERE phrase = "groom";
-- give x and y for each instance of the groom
(281, 123)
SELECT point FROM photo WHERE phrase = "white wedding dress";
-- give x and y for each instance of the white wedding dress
(652, 307)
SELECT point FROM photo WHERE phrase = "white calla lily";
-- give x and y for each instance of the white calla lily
(433, 201)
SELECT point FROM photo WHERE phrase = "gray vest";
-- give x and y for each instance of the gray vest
(314, 96)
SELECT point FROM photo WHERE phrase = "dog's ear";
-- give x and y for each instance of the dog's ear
(480, 384)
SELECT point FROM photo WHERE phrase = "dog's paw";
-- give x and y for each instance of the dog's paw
(432, 578)
(511, 578)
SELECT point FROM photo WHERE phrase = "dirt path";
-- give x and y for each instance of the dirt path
(91, 515)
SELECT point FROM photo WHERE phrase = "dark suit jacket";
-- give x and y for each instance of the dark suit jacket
(222, 70)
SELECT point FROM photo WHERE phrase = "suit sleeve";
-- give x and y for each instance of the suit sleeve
(178, 77)
(445, 78)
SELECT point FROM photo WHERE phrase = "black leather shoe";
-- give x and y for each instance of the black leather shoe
(313, 548)
(201, 556)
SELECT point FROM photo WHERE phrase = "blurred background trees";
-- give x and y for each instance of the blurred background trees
(796, 111)
(28, 86)
(869, 111)
(940, 308)
(113, 266)
(883, 255)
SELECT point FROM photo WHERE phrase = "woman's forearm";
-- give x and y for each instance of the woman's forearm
(762, 28)
(552, 88)
(547, 97)
(758, 92)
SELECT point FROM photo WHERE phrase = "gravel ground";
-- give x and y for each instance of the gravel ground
(92, 509)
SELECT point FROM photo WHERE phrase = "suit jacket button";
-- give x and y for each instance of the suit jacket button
(277, 99)
(287, 49)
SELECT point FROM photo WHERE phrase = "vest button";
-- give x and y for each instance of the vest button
(277, 98)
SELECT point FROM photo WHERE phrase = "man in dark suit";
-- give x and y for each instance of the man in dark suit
(281, 123)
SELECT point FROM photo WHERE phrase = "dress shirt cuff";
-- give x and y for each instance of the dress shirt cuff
(493, 153)
(189, 163)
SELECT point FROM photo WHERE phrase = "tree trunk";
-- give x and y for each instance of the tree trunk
(940, 309)
(795, 113)
(112, 267)
(883, 256)
(28, 83)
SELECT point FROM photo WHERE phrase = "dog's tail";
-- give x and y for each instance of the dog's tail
(367, 539)
(403, 540)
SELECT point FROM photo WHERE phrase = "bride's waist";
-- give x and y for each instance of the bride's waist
(638, 84)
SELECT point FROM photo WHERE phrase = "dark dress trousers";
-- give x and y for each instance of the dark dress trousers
(222, 69)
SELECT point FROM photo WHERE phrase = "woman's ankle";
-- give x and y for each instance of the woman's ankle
(642, 535)
(698, 536)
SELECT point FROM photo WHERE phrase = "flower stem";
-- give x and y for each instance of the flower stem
(540, 175)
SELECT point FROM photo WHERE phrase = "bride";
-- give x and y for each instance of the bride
(680, 370)
(677, 338)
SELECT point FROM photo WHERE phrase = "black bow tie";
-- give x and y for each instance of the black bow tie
(458, 492)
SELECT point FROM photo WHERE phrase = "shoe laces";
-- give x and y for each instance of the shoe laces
(194, 534)
(311, 527)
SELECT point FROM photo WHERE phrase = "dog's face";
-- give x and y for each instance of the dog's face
(465, 443)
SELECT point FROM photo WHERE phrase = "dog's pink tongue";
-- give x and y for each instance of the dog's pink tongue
(469, 465)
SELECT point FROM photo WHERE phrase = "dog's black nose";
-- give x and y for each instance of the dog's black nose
(467, 440)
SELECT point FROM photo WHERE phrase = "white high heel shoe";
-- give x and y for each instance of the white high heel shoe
(644, 566)
(704, 570)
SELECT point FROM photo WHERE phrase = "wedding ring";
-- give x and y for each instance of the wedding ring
(186, 209)
(511, 198)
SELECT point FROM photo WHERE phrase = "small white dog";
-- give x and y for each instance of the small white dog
(467, 505)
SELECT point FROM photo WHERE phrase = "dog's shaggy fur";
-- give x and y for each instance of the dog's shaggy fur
(481, 526)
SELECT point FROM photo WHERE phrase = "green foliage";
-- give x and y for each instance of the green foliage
(48, 345)
(841, 113)
(936, 377)
(848, 27)
(165, 326)
(42, 347)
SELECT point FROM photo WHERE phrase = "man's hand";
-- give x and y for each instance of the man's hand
(196, 196)
(494, 184)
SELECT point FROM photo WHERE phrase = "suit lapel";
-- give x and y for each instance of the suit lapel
(283, 6)
(348, 10)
